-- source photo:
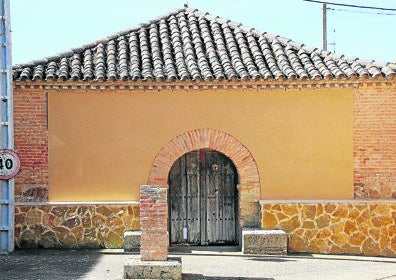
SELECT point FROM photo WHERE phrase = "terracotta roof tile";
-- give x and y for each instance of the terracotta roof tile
(50, 71)
(296, 63)
(38, 72)
(134, 57)
(210, 49)
(122, 57)
(76, 67)
(87, 70)
(189, 44)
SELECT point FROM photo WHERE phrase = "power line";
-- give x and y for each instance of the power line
(361, 12)
(351, 6)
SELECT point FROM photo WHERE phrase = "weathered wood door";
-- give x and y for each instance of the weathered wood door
(203, 199)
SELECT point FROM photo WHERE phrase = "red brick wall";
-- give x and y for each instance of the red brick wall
(31, 144)
(375, 144)
(154, 223)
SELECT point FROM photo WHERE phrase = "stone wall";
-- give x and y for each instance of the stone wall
(59, 225)
(335, 227)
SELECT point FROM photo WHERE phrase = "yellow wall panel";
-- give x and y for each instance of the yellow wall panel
(101, 145)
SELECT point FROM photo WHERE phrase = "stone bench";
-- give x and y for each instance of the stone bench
(264, 242)
(132, 241)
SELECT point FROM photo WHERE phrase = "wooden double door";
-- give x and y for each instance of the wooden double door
(203, 199)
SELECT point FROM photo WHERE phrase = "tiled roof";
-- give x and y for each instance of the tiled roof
(188, 45)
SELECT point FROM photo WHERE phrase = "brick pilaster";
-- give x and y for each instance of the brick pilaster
(31, 144)
(154, 223)
(374, 141)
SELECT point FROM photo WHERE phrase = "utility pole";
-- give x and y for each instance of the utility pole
(324, 26)
(9, 163)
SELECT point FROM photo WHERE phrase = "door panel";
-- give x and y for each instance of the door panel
(203, 199)
(193, 198)
(229, 202)
(214, 189)
(177, 212)
(221, 199)
(184, 200)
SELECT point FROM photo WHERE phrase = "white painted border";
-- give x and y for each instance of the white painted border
(329, 201)
(65, 203)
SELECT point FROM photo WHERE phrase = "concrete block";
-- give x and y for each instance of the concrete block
(132, 241)
(135, 268)
(264, 242)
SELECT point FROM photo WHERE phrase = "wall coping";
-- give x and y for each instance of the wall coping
(328, 201)
(63, 203)
(134, 202)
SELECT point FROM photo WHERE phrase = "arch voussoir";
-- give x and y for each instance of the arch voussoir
(222, 142)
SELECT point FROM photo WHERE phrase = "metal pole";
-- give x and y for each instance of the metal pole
(324, 26)
(7, 129)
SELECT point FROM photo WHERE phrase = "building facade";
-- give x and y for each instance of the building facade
(245, 129)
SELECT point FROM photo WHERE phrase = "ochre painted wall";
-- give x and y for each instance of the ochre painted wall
(101, 145)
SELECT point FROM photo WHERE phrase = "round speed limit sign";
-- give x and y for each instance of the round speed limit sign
(9, 164)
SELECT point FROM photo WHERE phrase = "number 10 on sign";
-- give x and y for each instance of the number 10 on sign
(9, 164)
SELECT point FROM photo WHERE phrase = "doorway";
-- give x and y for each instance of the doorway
(203, 199)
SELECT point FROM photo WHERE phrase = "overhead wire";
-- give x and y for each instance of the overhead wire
(351, 6)
(360, 12)
(354, 6)
(355, 9)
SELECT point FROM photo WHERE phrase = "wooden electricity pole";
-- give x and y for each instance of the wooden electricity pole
(324, 26)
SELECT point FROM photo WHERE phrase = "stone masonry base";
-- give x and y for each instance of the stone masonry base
(74, 225)
(327, 227)
(135, 268)
(334, 227)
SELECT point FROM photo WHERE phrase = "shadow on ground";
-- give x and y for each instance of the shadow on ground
(198, 263)
(187, 276)
(268, 259)
(215, 249)
(47, 264)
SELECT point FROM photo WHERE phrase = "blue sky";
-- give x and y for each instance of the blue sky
(43, 28)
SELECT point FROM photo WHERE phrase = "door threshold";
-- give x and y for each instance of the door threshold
(182, 248)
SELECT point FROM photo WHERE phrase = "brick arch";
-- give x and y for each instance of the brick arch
(249, 179)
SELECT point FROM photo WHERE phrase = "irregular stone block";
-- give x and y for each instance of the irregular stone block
(113, 240)
(135, 268)
(132, 241)
(264, 242)
(49, 240)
